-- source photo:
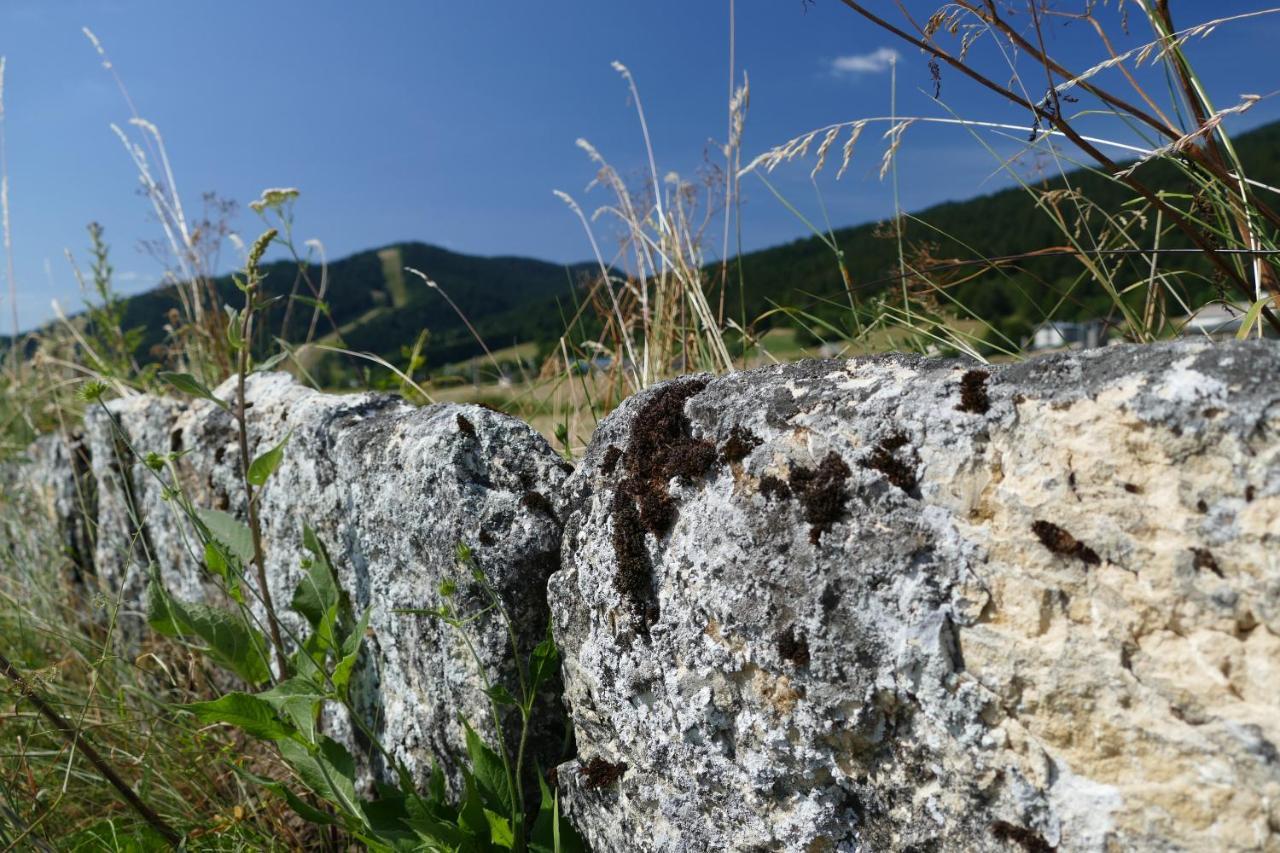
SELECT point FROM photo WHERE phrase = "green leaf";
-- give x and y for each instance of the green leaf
(544, 661)
(188, 384)
(229, 531)
(264, 366)
(215, 560)
(1251, 318)
(501, 695)
(221, 563)
(436, 788)
(230, 640)
(438, 829)
(551, 833)
(248, 713)
(471, 817)
(490, 771)
(350, 653)
(298, 699)
(233, 328)
(304, 809)
(500, 832)
(329, 771)
(162, 616)
(316, 597)
(266, 464)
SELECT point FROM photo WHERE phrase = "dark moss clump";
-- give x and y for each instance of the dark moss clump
(822, 493)
(1028, 840)
(774, 487)
(1133, 488)
(466, 427)
(611, 456)
(598, 773)
(634, 580)
(1059, 541)
(1249, 492)
(661, 448)
(537, 502)
(973, 392)
(1202, 558)
(792, 646)
(738, 445)
(896, 471)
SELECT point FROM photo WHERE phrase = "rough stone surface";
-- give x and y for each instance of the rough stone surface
(55, 471)
(908, 604)
(391, 490)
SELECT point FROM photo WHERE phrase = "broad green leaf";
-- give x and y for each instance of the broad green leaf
(163, 617)
(500, 832)
(308, 812)
(471, 817)
(329, 772)
(435, 788)
(316, 597)
(188, 384)
(350, 653)
(248, 713)
(230, 640)
(388, 818)
(438, 829)
(218, 559)
(298, 699)
(266, 464)
(501, 695)
(230, 531)
(490, 772)
(214, 559)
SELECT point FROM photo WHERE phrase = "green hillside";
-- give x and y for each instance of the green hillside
(377, 307)
(804, 273)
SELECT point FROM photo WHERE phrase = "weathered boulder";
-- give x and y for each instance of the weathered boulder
(391, 490)
(898, 603)
(55, 472)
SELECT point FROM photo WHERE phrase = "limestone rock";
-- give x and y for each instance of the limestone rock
(55, 471)
(391, 490)
(898, 603)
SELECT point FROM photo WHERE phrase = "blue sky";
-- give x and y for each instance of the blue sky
(452, 123)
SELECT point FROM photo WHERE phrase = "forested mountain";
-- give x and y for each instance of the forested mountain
(379, 308)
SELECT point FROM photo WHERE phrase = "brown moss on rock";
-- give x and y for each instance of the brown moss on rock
(793, 646)
(739, 444)
(822, 493)
(661, 449)
(896, 471)
(1059, 541)
(973, 392)
(598, 773)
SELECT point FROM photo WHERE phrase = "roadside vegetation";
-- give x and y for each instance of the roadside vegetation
(1148, 211)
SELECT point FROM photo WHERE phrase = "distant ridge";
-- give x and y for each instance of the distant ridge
(514, 300)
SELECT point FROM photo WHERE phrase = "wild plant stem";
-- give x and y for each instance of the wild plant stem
(255, 525)
(74, 737)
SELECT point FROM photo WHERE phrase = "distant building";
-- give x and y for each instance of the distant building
(1058, 334)
(1221, 320)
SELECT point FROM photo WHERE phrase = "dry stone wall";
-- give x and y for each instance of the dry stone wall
(885, 604)
(391, 491)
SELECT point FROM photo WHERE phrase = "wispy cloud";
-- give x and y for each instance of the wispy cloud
(875, 62)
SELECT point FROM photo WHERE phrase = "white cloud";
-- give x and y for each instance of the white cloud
(875, 62)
